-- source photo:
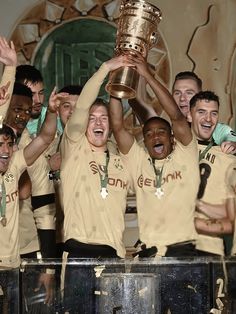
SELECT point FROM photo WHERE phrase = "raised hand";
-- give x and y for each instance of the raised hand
(120, 61)
(140, 64)
(55, 100)
(7, 52)
(228, 147)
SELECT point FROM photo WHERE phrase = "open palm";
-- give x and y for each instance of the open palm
(7, 52)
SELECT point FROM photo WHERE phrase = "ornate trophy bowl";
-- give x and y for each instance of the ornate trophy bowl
(136, 33)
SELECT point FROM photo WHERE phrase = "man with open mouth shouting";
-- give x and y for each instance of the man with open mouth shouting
(94, 186)
(166, 178)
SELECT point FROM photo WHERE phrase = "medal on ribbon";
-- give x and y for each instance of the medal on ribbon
(3, 218)
(104, 178)
(159, 193)
(104, 193)
(158, 172)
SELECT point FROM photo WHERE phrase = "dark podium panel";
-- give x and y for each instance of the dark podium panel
(9, 291)
(165, 285)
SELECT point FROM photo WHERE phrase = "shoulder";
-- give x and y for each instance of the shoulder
(18, 161)
(192, 146)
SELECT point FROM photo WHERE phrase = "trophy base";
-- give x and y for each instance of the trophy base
(123, 83)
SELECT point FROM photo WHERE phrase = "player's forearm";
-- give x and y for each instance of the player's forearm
(8, 76)
(123, 138)
(79, 119)
(116, 114)
(48, 129)
(165, 98)
(142, 110)
(47, 133)
(213, 227)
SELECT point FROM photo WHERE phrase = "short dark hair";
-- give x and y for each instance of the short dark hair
(26, 73)
(187, 75)
(23, 90)
(71, 89)
(8, 132)
(159, 119)
(204, 95)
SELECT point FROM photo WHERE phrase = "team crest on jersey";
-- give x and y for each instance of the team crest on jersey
(118, 164)
(9, 177)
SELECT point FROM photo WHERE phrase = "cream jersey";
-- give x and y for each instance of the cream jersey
(44, 216)
(218, 183)
(88, 217)
(9, 235)
(169, 219)
(8, 76)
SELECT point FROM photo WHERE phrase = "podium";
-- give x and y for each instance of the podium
(146, 286)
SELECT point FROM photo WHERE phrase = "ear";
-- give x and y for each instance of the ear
(189, 117)
(172, 139)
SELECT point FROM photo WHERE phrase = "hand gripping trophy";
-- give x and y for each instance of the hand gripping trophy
(136, 32)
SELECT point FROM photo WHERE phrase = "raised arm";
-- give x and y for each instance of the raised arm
(123, 138)
(4, 95)
(47, 132)
(141, 105)
(9, 59)
(77, 123)
(7, 53)
(182, 131)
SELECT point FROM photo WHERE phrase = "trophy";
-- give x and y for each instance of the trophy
(136, 32)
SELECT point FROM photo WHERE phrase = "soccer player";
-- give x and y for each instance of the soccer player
(166, 179)
(95, 184)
